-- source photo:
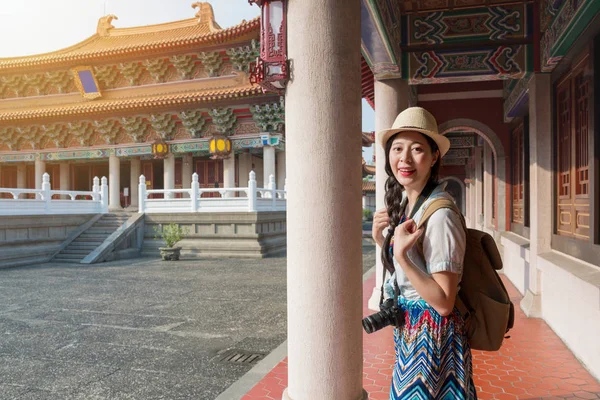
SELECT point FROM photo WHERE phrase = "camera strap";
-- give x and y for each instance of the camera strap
(424, 195)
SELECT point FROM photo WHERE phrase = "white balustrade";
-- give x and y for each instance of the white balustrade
(66, 201)
(249, 199)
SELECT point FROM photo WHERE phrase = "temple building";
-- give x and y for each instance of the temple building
(142, 100)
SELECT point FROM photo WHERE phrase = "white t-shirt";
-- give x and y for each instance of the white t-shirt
(443, 244)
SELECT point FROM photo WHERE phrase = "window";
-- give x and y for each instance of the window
(518, 186)
(520, 178)
(572, 153)
(494, 183)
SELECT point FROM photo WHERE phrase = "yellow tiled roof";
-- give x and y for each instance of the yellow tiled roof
(127, 104)
(110, 42)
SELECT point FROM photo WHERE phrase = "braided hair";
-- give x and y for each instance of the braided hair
(393, 197)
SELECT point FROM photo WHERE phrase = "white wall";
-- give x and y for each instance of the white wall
(570, 296)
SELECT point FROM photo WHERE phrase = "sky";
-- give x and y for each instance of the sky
(39, 26)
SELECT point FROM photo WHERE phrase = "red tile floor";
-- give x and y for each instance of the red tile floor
(532, 364)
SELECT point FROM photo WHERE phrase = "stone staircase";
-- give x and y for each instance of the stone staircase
(90, 239)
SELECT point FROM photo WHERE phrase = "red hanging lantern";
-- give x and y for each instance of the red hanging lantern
(271, 68)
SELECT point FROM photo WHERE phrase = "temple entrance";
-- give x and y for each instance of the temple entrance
(154, 172)
(8, 179)
(210, 175)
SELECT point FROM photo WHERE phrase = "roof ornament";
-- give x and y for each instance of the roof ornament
(104, 24)
(206, 16)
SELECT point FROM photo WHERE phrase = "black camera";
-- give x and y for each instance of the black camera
(390, 314)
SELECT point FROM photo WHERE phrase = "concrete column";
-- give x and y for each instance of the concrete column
(229, 174)
(135, 170)
(540, 189)
(391, 97)
(268, 164)
(323, 124)
(469, 198)
(65, 179)
(21, 176)
(114, 183)
(245, 166)
(169, 174)
(478, 188)
(488, 183)
(65, 176)
(187, 169)
(280, 173)
(40, 169)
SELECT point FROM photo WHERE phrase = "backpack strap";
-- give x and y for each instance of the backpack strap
(435, 205)
(432, 207)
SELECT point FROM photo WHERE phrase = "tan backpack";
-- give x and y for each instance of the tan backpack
(482, 298)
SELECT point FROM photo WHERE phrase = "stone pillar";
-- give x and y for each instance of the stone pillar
(21, 176)
(135, 170)
(323, 125)
(280, 173)
(268, 164)
(468, 194)
(114, 183)
(478, 188)
(40, 169)
(489, 182)
(187, 168)
(391, 97)
(540, 189)
(229, 174)
(245, 166)
(65, 176)
(65, 179)
(169, 174)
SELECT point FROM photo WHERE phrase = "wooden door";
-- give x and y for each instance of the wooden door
(8, 179)
(210, 175)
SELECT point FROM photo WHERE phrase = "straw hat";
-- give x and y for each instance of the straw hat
(415, 119)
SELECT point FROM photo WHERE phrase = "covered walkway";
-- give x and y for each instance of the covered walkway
(533, 364)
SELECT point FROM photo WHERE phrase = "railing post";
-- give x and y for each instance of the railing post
(195, 192)
(96, 189)
(272, 188)
(104, 194)
(252, 191)
(142, 195)
(46, 195)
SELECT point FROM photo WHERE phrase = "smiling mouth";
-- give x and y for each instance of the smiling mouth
(406, 172)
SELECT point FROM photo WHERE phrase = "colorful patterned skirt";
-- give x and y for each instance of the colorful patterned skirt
(433, 357)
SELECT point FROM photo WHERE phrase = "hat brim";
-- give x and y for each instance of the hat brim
(442, 141)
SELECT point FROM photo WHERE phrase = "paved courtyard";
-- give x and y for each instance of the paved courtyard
(140, 329)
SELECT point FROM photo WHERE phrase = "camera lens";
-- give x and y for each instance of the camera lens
(377, 321)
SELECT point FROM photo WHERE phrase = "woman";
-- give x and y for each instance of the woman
(433, 357)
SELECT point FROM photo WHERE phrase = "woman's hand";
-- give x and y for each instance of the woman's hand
(405, 237)
(381, 220)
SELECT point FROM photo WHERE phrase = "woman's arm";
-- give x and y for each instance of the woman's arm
(381, 220)
(443, 250)
(438, 290)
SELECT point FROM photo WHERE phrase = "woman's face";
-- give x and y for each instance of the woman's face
(411, 159)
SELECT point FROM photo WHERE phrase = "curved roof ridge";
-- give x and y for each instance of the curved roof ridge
(113, 41)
